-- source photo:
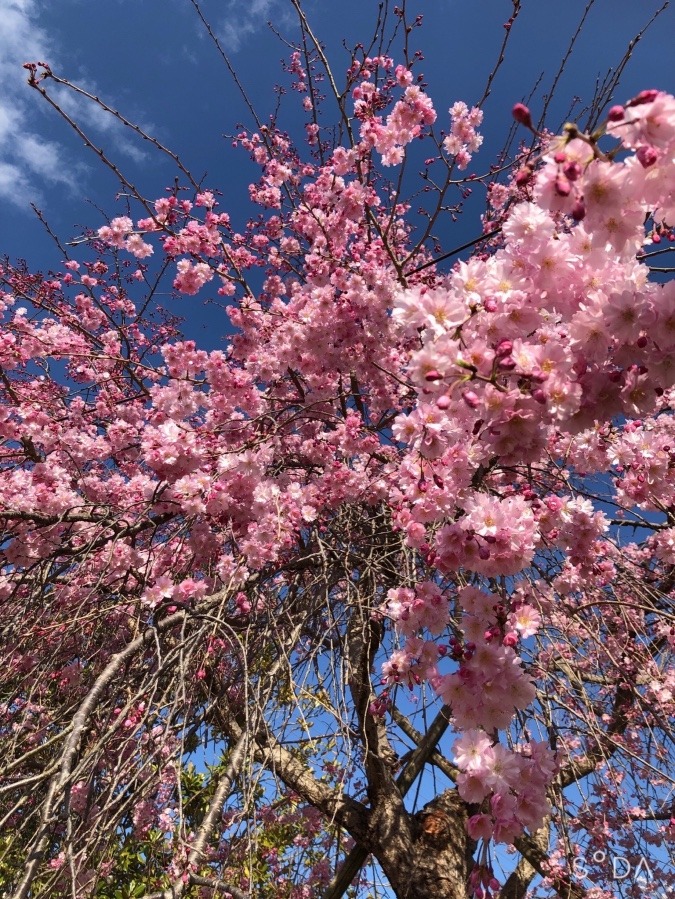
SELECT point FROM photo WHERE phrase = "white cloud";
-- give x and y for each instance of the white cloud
(43, 158)
(96, 122)
(21, 39)
(15, 186)
(28, 161)
(19, 35)
(9, 121)
(244, 18)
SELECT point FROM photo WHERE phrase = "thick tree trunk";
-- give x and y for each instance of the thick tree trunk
(426, 856)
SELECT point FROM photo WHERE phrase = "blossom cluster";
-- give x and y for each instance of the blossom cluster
(491, 769)
(463, 139)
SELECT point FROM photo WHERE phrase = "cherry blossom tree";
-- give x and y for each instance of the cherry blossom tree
(382, 591)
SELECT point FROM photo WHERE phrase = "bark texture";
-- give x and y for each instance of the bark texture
(428, 855)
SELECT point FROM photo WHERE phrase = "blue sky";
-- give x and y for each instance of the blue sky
(153, 61)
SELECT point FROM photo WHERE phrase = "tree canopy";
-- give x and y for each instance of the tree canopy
(378, 598)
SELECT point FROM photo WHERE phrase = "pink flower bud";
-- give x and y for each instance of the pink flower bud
(615, 114)
(578, 211)
(433, 375)
(562, 186)
(471, 399)
(523, 176)
(443, 402)
(539, 396)
(572, 170)
(510, 639)
(647, 155)
(643, 97)
(522, 115)
(504, 348)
